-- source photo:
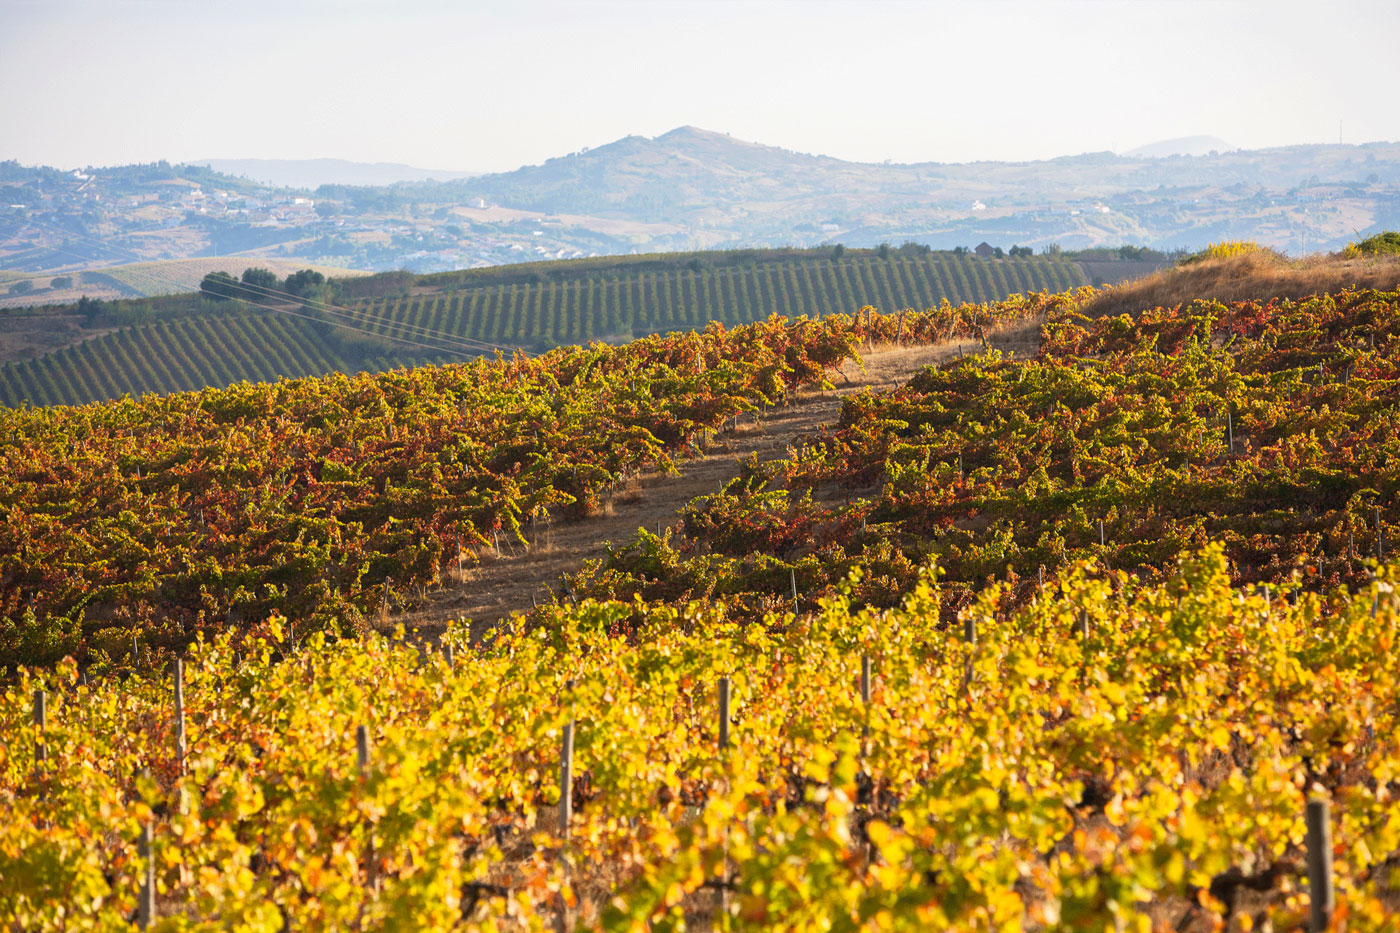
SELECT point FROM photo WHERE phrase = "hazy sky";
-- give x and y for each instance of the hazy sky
(491, 86)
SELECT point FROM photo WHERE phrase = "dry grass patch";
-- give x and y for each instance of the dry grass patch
(1261, 274)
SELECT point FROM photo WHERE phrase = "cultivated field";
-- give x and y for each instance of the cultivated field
(1012, 615)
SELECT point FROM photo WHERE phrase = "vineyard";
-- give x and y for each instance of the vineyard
(580, 310)
(569, 306)
(190, 353)
(1113, 756)
(329, 500)
(1097, 639)
(1269, 427)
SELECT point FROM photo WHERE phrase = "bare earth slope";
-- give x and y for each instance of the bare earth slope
(513, 582)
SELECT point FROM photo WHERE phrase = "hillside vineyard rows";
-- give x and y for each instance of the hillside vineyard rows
(1270, 427)
(190, 353)
(1113, 756)
(330, 499)
(219, 349)
(1075, 642)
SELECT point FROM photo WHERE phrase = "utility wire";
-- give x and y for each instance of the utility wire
(358, 317)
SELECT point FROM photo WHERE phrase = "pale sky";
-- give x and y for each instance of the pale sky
(492, 86)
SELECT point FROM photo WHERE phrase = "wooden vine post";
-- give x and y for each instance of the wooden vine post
(1380, 536)
(723, 713)
(180, 743)
(566, 772)
(566, 800)
(41, 724)
(566, 779)
(1320, 892)
(723, 890)
(362, 759)
(146, 898)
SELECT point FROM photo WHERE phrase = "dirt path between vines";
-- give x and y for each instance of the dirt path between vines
(500, 586)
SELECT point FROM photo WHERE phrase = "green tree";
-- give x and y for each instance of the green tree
(219, 285)
(261, 280)
(22, 287)
(305, 284)
(838, 251)
(61, 281)
(91, 309)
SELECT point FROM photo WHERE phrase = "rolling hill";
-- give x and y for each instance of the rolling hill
(1096, 636)
(146, 279)
(531, 307)
(312, 173)
(693, 189)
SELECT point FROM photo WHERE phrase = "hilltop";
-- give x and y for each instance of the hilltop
(1180, 146)
(312, 173)
(692, 189)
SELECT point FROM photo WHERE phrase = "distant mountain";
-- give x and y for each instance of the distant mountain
(670, 177)
(1181, 146)
(693, 189)
(725, 192)
(312, 173)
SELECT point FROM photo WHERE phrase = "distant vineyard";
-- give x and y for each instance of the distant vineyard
(581, 310)
(174, 276)
(218, 350)
(147, 279)
(181, 355)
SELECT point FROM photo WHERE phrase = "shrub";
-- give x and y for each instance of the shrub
(1223, 250)
(1385, 243)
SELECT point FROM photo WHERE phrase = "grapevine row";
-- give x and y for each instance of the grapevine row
(218, 350)
(326, 499)
(1266, 426)
(1116, 756)
(178, 356)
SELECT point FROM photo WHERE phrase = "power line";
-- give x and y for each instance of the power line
(369, 333)
(340, 311)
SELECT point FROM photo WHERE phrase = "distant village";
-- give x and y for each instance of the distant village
(111, 222)
(54, 221)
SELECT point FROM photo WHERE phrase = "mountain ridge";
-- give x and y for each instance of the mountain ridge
(696, 189)
(312, 173)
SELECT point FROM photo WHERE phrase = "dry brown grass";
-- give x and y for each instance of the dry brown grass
(1261, 275)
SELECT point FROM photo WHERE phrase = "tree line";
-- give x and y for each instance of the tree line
(257, 282)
